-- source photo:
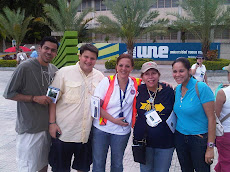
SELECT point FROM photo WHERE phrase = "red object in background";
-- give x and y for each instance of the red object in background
(13, 49)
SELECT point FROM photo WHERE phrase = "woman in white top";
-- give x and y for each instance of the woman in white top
(198, 70)
(223, 142)
(114, 129)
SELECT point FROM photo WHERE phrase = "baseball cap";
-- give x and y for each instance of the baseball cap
(200, 56)
(148, 65)
(33, 47)
(227, 68)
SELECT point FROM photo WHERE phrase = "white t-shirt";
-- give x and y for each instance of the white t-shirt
(21, 57)
(226, 109)
(114, 107)
(200, 72)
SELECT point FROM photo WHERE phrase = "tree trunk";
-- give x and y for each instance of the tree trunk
(182, 36)
(3, 44)
(205, 48)
(130, 47)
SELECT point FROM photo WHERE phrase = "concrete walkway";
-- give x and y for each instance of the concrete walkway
(8, 116)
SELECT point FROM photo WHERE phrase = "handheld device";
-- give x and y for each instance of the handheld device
(58, 134)
(121, 114)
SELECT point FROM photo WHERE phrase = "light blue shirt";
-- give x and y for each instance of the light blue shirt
(34, 54)
(191, 118)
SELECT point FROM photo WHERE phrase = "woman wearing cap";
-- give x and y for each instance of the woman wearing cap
(198, 70)
(154, 96)
(117, 94)
(222, 107)
(196, 123)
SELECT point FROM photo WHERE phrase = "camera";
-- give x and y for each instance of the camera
(121, 114)
(57, 135)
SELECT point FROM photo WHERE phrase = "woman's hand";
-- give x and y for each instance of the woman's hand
(209, 155)
(120, 121)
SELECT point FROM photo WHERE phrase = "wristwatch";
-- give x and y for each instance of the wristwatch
(211, 144)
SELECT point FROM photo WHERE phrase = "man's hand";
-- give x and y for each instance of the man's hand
(43, 100)
(53, 129)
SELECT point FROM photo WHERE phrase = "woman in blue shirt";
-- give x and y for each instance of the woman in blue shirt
(196, 124)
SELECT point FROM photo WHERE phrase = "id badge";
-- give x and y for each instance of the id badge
(152, 118)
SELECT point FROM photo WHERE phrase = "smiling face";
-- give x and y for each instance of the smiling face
(87, 60)
(180, 73)
(124, 67)
(47, 52)
(151, 78)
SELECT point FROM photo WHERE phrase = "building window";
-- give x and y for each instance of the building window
(168, 4)
(221, 34)
(161, 4)
(175, 3)
(227, 2)
(85, 4)
(154, 5)
(100, 6)
(165, 4)
(173, 35)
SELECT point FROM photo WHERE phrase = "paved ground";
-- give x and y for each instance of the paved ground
(8, 115)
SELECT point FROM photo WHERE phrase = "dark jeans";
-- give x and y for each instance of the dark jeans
(61, 153)
(191, 152)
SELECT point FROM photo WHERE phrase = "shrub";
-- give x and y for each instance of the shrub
(8, 63)
(212, 55)
(111, 64)
(212, 65)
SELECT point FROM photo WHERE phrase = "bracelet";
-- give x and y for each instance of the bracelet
(32, 99)
(211, 144)
(52, 122)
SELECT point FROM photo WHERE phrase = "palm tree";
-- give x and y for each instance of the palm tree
(14, 24)
(133, 18)
(182, 24)
(202, 17)
(64, 17)
(3, 35)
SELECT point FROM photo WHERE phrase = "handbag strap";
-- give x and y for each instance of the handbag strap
(224, 118)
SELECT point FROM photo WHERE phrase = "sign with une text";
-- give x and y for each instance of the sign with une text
(167, 51)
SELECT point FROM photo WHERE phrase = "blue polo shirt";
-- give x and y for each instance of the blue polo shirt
(191, 118)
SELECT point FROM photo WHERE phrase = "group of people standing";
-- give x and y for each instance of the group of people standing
(125, 103)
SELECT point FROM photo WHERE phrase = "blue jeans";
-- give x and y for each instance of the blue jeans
(100, 144)
(157, 160)
(191, 152)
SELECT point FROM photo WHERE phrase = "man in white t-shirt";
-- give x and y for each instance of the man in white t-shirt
(21, 57)
(198, 70)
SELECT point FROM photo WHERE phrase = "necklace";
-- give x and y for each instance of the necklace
(152, 96)
(44, 73)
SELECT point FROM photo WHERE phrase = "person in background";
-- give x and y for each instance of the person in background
(222, 107)
(34, 53)
(28, 86)
(70, 117)
(196, 122)
(117, 114)
(198, 70)
(154, 95)
(21, 57)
